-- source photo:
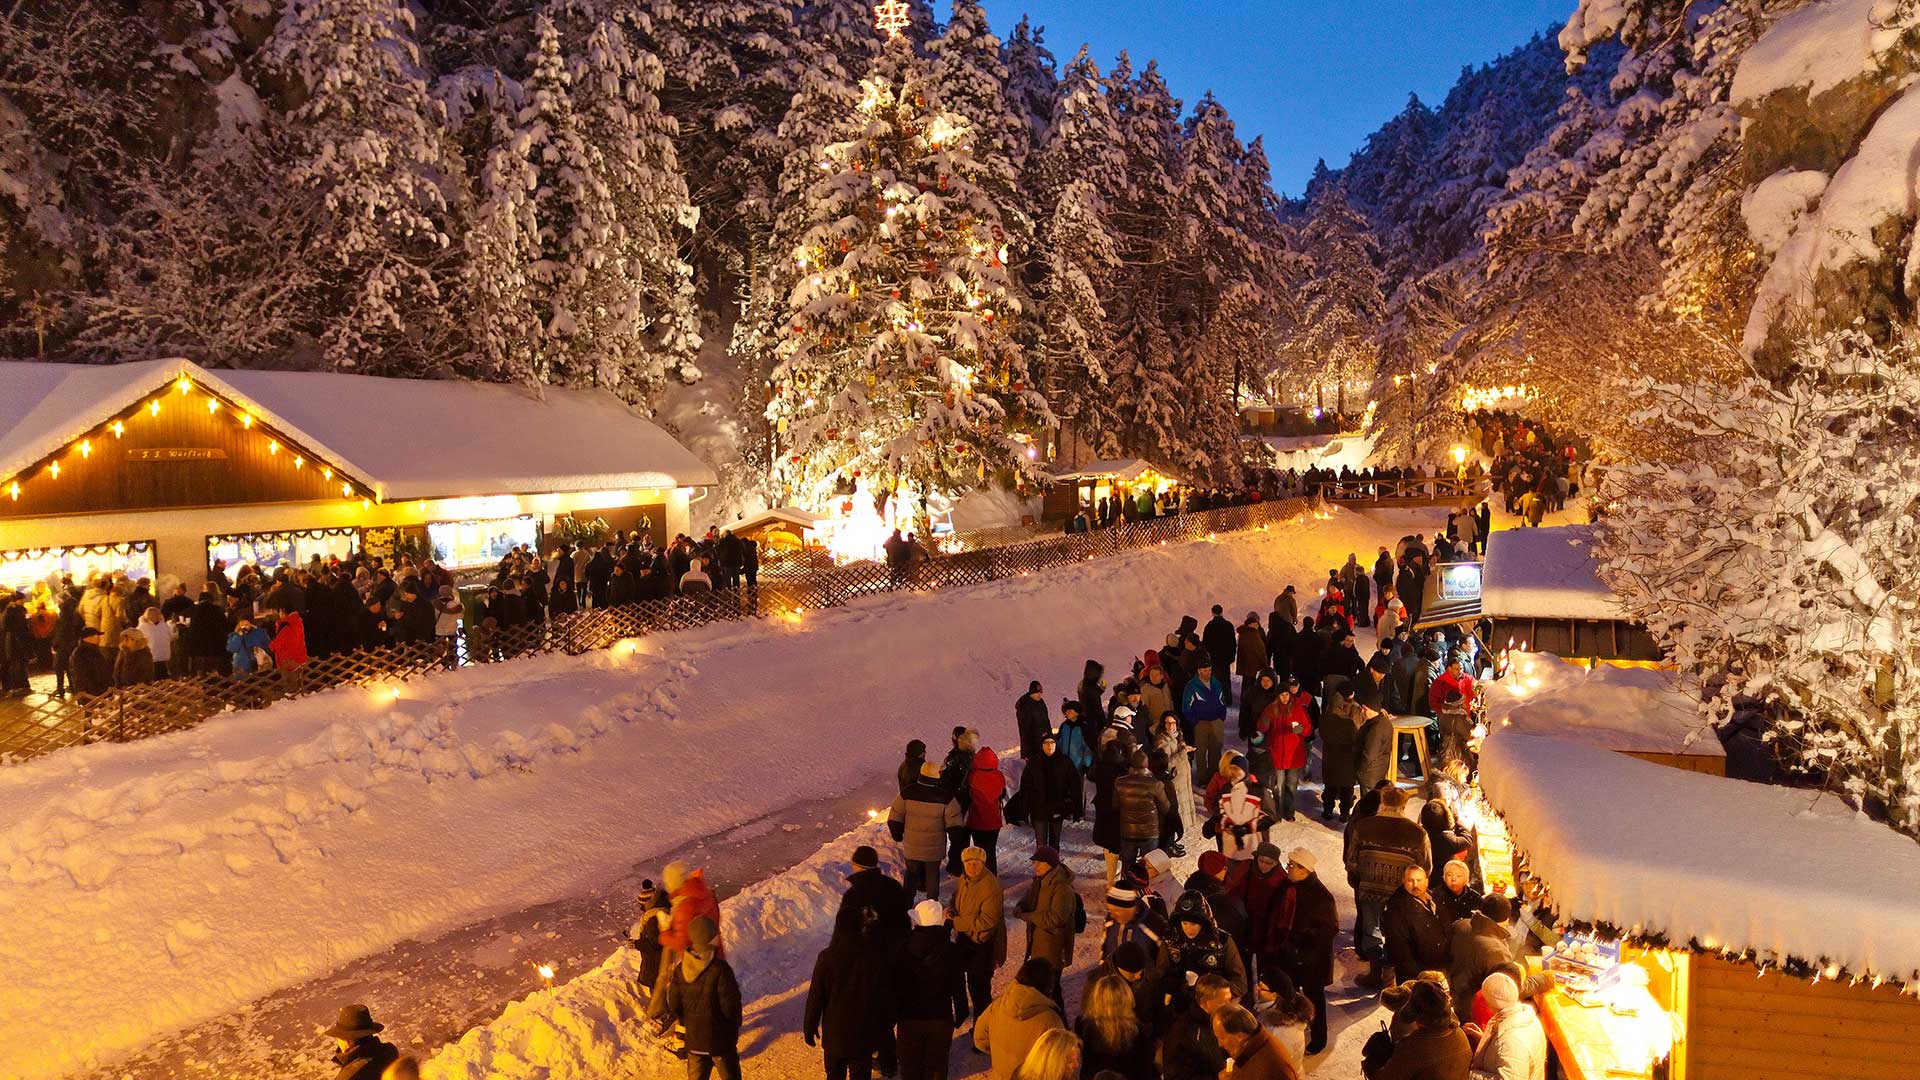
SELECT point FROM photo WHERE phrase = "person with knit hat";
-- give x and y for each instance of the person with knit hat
(361, 1054)
(1514, 1044)
(644, 935)
(909, 770)
(872, 896)
(1302, 925)
(956, 772)
(689, 899)
(1049, 909)
(703, 997)
(930, 992)
(1031, 720)
(1134, 965)
(980, 926)
(1203, 708)
(1050, 788)
(1129, 919)
(1209, 879)
(919, 820)
(1239, 816)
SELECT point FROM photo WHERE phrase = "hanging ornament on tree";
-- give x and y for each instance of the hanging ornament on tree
(890, 16)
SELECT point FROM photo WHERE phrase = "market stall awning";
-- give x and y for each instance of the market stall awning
(403, 438)
(791, 515)
(1660, 853)
(1545, 573)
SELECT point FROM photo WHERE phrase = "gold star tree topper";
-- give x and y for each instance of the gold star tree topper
(890, 16)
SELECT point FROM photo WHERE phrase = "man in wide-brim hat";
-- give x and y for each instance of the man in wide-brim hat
(361, 1056)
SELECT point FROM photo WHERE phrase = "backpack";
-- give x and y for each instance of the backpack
(1079, 914)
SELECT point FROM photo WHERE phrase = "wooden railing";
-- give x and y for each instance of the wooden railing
(1429, 489)
(135, 712)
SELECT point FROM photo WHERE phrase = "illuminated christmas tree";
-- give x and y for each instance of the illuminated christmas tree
(897, 370)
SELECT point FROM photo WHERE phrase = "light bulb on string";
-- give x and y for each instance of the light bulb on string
(118, 428)
(86, 448)
(153, 407)
(213, 405)
(55, 470)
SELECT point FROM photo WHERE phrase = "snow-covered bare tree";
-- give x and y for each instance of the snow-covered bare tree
(1774, 550)
(372, 153)
(896, 367)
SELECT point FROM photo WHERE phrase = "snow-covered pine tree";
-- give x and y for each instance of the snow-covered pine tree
(573, 265)
(645, 313)
(1033, 84)
(372, 152)
(1145, 216)
(1080, 165)
(1340, 303)
(896, 369)
(1770, 539)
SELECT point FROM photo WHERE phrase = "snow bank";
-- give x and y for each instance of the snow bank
(1302, 452)
(1777, 871)
(1545, 573)
(1816, 48)
(587, 1026)
(1773, 209)
(1612, 708)
(198, 871)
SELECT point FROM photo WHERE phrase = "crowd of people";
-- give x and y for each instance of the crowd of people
(1226, 970)
(1533, 471)
(114, 632)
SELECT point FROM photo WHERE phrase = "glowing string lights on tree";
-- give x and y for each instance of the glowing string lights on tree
(890, 16)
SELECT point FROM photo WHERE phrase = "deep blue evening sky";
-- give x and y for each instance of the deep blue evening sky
(1313, 76)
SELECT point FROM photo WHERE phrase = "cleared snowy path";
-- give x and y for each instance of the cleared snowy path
(195, 873)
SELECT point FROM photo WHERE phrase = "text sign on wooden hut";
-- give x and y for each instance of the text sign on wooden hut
(176, 453)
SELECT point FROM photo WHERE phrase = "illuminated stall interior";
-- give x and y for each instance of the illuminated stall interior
(160, 467)
(1084, 488)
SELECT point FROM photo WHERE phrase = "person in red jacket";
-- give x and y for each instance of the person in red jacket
(1455, 678)
(289, 644)
(986, 790)
(1289, 730)
(689, 898)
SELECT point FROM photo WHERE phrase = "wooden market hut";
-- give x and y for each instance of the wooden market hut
(1776, 928)
(1084, 487)
(158, 467)
(782, 528)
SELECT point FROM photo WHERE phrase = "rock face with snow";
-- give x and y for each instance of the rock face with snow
(1829, 91)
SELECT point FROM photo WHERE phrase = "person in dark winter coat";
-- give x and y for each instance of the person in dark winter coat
(1048, 910)
(1222, 643)
(1251, 653)
(1339, 753)
(874, 897)
(1456, 898)
(930, 994)
(1230, 912)
(1476, 948)
(1417, 940)
(361, 1055)
(1049, 786)
(1197, 946)
(1139, 802)
(1300, 936)
(1374, 748)
(1189, 1050)
(1434, 1047)
(1203, 709)
(89, 669)
(1254, 699)
(1280, 645)
(956, 773)
(1379, 851)
(1030, 718)
(909, 770)
(1445, 838)
(644, 934)
(1130, 919)
(704, 997)
(1092, 693)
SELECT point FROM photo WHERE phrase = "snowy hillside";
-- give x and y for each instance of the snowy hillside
(199, 870)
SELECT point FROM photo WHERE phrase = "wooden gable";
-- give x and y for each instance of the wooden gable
(182, 456)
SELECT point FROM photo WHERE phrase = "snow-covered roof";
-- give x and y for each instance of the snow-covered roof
(792, 515)
(1608, 707)
(1545, 573)
(1125, 470)
(1661, 852)
(404, 438)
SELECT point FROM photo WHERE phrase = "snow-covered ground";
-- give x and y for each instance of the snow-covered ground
(197, 872)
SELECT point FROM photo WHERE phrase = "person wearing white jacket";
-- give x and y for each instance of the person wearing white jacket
(1514, 1046)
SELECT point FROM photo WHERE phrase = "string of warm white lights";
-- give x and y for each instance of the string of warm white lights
(82, 449)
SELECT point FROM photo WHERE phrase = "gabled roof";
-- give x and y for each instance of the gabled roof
(1545, 573)
(405, 438)
(792, 515)
(1125, 470)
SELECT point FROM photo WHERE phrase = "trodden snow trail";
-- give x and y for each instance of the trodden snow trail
(201, 871)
